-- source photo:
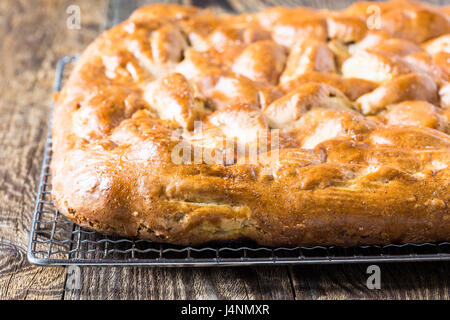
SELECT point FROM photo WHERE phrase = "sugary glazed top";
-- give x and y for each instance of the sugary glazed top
(360, 103)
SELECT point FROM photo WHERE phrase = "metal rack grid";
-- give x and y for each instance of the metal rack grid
(55, 240)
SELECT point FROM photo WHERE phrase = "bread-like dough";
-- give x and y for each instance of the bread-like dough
(342, 130)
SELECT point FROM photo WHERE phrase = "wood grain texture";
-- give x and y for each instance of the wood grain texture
(398, 281)
(34, 36)
(183, 283)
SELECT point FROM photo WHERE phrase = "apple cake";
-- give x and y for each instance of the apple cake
(290, 126)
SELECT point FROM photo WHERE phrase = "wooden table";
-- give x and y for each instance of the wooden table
(34, 36)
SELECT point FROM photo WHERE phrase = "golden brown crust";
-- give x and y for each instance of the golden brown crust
(361, 117)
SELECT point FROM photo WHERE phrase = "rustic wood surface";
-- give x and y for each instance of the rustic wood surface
(34, 36)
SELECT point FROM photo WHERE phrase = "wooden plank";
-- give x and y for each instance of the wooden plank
(34, 36)
(218, 6)
(119, 10)
(425, 280)
(183, 283)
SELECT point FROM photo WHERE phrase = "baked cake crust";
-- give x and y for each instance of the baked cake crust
(361, 111)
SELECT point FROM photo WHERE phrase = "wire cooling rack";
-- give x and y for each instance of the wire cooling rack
(54, 240)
